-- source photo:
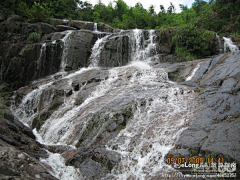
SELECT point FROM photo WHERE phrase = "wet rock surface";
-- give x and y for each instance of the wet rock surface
(80, 48)
(116, 52)
(215, 132)
(22, 61)
(207, 104)
(20, 153)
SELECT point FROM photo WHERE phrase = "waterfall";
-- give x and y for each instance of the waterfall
(96, 50)
(66, 43)
(40, 60)
(27, 109)
(59, 170)
(41, 55)
(151, 133)
(142, 48)
(161, 111)
(95, 27)
(229, 46)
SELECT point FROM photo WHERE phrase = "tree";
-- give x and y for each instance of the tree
(171, 8)
(38, 12)
(151, 10)
(140, 16)
(197, 5)
(85, 11)
(121, 8)
(162, 9)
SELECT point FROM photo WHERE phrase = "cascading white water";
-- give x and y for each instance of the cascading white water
(151, 47)
(95, 27)
(154, 128)
(193, 72)
(142, 48)
(66, 43)
(27, 110)
(162, 111)
(59, 169)
(96, 50)
(41, 55)
(229, 46)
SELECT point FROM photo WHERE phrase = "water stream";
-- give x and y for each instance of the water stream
(229, 46)
(66, 42)
(161, 111)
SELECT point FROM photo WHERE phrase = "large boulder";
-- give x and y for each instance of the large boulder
(79, 49)
(85, 25)
(82, 24)
(105, 28)
(116, 51)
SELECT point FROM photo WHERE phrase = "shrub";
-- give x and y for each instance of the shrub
(33, 37)
(192, 43)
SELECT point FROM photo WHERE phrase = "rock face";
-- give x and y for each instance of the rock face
(215, 132)
(22, 61)
(20, 153)
(68, 46)
(80, 49)
(116, 52)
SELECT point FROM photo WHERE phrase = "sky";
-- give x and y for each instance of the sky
(147, 3)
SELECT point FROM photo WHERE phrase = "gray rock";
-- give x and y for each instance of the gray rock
(215, 130)
(105, 28)
(45, 28)
(81, 24)
(116, 52)
(64, 28)
(80, 48)
(223, 139)
(20, 153)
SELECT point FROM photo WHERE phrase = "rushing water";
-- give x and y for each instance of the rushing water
(142, 48)
(161, 111)
(66, 42)
(229, 46)
(97, 48)
(193, 72)
(95, 27)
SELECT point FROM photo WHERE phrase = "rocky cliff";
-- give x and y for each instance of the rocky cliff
(24, 59)
(112, 104)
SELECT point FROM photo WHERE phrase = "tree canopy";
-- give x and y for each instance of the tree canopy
(221, 16)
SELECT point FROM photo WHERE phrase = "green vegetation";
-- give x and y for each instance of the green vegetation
(220, 16)
(34, 37)
(192, 42)
(199, 90)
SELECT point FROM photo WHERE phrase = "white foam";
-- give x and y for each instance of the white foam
(59, 169)
(228, 45)
(193, 72)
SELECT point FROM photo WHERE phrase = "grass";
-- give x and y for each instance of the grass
(199, 90)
